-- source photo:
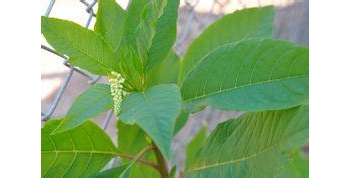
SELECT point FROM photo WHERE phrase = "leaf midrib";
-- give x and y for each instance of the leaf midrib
(242, 86)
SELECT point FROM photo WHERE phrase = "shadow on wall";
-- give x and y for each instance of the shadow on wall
(292, 22)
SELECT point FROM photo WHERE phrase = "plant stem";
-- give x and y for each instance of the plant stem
(163, 169)
(141, 160)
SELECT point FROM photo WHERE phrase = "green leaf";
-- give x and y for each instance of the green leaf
(132, 70)
(79, 152)
(181, 121)
(194, 145)
(117, 172)
(155, 111)
(131, 140)
(164, 35)
(110, 22)
(254, 145)
(133, 21)
(251, 75)
(165, 72)
(172, 172)
(298, 167)
(139, 26)
(85, 48)
(246, 23)
(146, 41)
(124, 171)
(91, 103)
(132, 65)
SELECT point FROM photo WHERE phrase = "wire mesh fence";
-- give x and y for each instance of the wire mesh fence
(194, 15)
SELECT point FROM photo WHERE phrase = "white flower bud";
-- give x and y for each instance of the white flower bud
(117, 91)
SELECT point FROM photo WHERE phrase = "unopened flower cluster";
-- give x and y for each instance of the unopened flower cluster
(117, 90)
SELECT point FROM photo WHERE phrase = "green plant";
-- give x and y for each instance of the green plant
(233, 65)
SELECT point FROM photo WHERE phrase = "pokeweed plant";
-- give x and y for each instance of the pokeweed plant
(235, 64)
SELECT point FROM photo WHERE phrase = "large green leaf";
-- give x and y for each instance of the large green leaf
(155, 111)
(254, 145)
(165, 72)
(251, 75)
(79, 152)
(246, 23)
(194, 145)
(91, 103)
(164, 35)
(298, 167)
(131, 140)
(110, 22)
(85, 48)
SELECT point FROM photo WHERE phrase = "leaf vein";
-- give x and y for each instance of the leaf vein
(242, 86)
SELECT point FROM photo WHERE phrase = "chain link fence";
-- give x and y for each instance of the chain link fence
(61, 82)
